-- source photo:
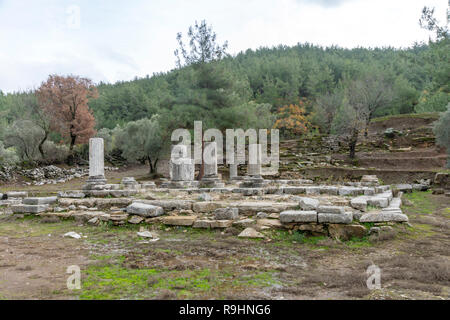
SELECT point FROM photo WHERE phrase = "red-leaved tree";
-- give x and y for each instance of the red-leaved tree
(65, 101)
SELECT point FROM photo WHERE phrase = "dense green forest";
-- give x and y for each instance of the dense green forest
(418, 76)
(331, 90)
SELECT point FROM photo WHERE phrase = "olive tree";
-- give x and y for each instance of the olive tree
(25, 136)
(142, 140)
(349, 121)
(325, 109)
(8, 156)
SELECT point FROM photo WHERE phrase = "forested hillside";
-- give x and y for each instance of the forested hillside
(283, 75)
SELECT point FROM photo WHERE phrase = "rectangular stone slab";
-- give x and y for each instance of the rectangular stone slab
(331, 209)
(17, 194)
(29, 208)
(179, 220)
(145, 210)
(72, 194)
(384, 216)
(169, 204)
(298, 216)
(307, 204)
(378, 201)
(346, 217)
(226, 213)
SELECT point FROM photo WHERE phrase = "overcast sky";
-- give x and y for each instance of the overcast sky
(111, 40)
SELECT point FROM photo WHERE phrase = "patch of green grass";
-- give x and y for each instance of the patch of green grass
(115, 282)
(119, 282)
(172, 251)
(262, 279)
(446, 212)
(371, 208)
(30, 226)
(368, 225)
(419, 230)
(421, 202)
(355, 242)
(429, 115)
(190, 280)
(102, 257)
(296, 236)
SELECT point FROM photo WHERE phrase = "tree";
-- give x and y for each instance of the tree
(292, 120)
(203, 46)
(432, 101)
(8, 156)
(428, 21)
(371, 92)
(30, 110)
(348, 123)
(142, 140)
(24, 136)
(324, 110)
(208, 87)
(442, 131)
(362, 97)
(65, 101)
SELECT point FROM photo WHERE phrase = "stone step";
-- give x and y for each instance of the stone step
(384, 216)
(346, 217)
(290, 216)
(17, 194)
(145, 210)
(40, 200)
(29, 208)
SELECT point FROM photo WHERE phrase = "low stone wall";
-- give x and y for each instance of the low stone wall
(334, 210)
(387, 176)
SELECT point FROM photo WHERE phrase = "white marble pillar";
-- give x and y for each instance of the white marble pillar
(254, 160)
(181, 167)
(96, 158)
(210, 159)
(233, 171)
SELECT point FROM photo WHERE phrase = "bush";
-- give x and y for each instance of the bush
(432, 102)
(55, 153)
(8, 156)
(24, 136)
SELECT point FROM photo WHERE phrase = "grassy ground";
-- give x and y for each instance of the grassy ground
(203, 264)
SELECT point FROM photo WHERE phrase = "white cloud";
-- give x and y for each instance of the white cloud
(119, 40)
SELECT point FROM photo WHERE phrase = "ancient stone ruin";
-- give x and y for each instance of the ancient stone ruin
(253, 204)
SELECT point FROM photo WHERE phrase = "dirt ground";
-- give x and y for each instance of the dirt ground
(202, 264)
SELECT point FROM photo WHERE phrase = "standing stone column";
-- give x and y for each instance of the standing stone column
(182, 169)
(96, 164)
(240, 154)
(210, 160)
(233, 171)
(254, 179)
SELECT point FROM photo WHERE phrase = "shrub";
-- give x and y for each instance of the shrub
(432, 102)
(442, 131)
(55, 153)
(8, 156)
